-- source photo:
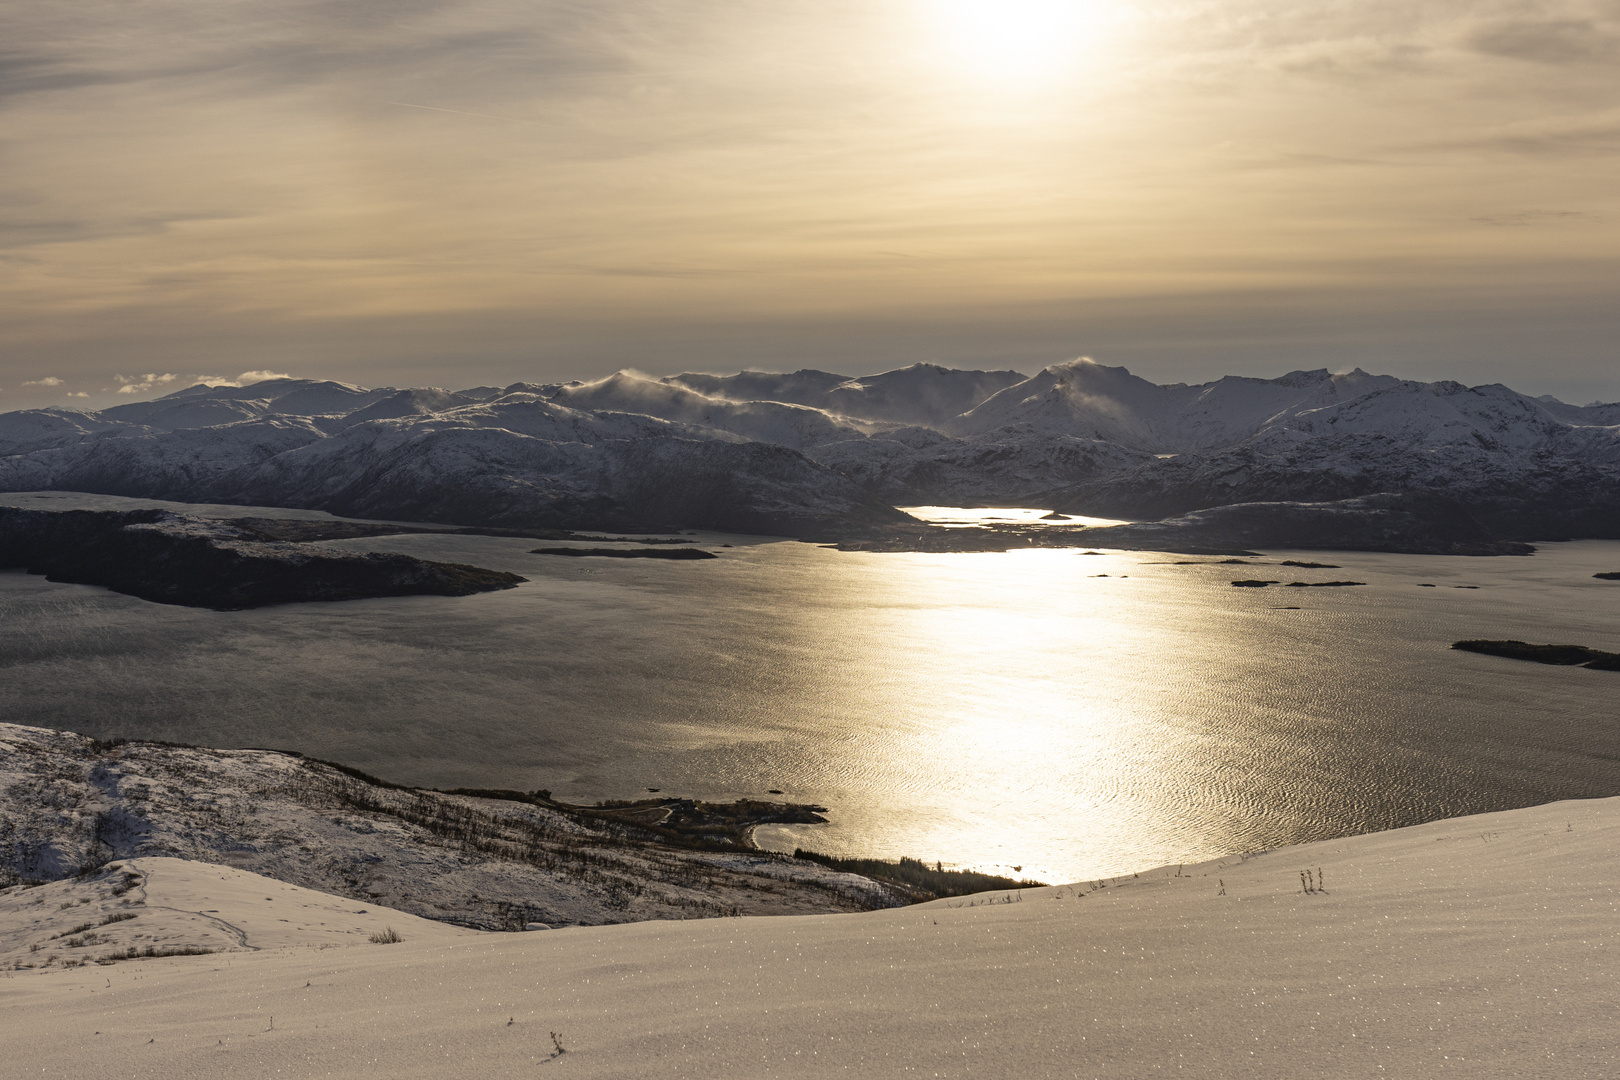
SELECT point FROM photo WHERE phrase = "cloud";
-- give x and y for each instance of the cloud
(140, 384)
(80, 393)
(638, 172)
(49, 380)
(1553, 41)
(1530, 217)
(1594, 134)
(247, 378)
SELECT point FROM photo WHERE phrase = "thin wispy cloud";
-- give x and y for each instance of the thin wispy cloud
(248, 378)
(1525, 218)
(1551, 41)
(142, 384)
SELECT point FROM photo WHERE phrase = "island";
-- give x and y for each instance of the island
(1560, 655)
(628, 553)
(171, 558)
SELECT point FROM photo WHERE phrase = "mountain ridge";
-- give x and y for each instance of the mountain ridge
(821, 455)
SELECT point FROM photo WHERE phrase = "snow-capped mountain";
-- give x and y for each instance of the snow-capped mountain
(865, 428)
(1089, 400)
(923, 394)
(1530, 468)
(39, 429)
(424, 401)
(209, 406)
(516, 459)
(814, 453)
(798, 426)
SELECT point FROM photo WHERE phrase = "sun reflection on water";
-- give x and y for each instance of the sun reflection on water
(1028, 690)
(1078, 715)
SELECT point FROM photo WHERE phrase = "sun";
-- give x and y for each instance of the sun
(1017, 41)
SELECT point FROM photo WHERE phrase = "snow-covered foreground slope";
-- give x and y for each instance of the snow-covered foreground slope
(1478, 947)
(162, 907)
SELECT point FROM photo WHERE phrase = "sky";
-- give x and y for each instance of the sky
(427, 192)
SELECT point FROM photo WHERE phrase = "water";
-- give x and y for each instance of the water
(987, 710)
(957, 517)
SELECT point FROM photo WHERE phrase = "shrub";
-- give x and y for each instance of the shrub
(917, 876)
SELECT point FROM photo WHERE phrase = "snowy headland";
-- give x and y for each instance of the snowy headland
(70, 804)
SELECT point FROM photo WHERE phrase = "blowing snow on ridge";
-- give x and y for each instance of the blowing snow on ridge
(821, 455)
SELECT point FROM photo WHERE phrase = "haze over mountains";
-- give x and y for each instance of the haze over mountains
(819, 454)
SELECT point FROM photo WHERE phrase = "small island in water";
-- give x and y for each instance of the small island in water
(628, 553)
(1561, 655)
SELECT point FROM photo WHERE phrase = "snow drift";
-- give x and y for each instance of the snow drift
(1478, 947)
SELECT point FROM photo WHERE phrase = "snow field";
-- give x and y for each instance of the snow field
(1477, 947)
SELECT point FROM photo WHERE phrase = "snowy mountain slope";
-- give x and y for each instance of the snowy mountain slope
(178, 464)
(1080, 398)
(922, 394)
(527, 391)
(208, 406)
(1527, 473)
(540, 463)
(317, 397)
(1427, 415)
(920, 466)
(538, 418)
(516, 460)
(43, 429)
(741, 487)
(493, 476)
(424, 401)
(1085, 399)
(194, 413)
(1596, 414)
(804, 387)
(797, 426)
(1229, 409)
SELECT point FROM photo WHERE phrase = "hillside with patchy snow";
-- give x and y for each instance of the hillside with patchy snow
(70, 803)
(816, 454)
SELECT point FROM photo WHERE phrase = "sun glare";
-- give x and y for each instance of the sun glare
(1018, 41)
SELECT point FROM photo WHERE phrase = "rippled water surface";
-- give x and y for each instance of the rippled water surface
(1074, 715)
